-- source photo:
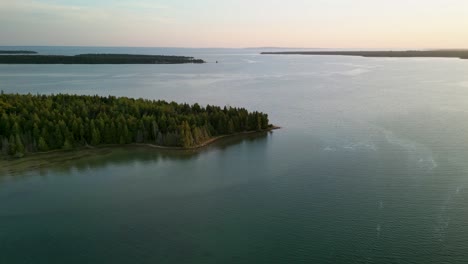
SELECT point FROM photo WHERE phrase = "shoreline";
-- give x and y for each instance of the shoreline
(146, 145)
(207, 142)
(458, 54)
(90, 59)
(16, 52)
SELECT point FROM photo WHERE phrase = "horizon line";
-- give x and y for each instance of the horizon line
(260, 47)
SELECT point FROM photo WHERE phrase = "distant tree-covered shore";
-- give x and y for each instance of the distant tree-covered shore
(97, 59)
(40, 123)
(17, 52)
(462, 54)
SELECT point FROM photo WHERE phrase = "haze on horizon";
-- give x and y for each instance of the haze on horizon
(243, 23)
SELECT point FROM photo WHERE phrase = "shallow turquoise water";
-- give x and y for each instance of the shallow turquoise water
(370, 167)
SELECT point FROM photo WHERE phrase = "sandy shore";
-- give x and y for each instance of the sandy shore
(64, 159)
(204, 144)
(207, 142)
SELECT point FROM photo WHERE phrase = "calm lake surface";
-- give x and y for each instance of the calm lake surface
(369, 167)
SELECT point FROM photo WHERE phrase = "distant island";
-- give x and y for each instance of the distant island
(42, 123)
(17, 52)
(462, 54)
(97, 59)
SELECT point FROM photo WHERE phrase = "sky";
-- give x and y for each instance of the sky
(389, 24)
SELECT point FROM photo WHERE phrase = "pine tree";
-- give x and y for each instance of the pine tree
(19, 147)
(36, 131)
(95, 137)
(5, 146)
(42, 145)
(5, 125)
(230, 129)
(186, 135)
(67, 145)
(58, 138)
(12, 145)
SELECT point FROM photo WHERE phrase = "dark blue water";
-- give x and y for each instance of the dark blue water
(370, 166)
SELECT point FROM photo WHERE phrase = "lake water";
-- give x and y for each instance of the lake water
(369, 167)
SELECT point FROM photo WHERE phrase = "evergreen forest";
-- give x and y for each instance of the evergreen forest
(41, 123)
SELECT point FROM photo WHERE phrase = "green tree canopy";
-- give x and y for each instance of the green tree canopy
(30, 123)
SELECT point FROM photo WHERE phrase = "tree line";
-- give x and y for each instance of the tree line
(447, 53)
(17, 52)
(39, 123)
(97, 59)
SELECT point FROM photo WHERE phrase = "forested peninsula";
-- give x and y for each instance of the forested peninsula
(41, 123)
(97, 59)
(17, 52)
(462, 54)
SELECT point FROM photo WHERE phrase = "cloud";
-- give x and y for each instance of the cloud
(123, 12)
(34, 6)
(29, 10)
(143, 5)
(33, 22)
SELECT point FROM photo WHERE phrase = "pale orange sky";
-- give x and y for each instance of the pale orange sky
(243, 23)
